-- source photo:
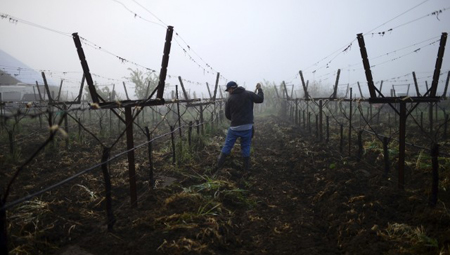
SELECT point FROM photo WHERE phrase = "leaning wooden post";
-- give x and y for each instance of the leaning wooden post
(360, 91)
(305, 88)
(165, 62)
(126, 91)
(131, 161)
(49, 94)
(86, 71)
(182, 88)
(416, 84)
(364, 56)
(209, 91)
(336, 83)
(39, 92)
(59, 92)
(109, 212)
(435, 181)
(437, 68)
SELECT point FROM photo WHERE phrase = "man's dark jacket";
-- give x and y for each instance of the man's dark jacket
(239, 107)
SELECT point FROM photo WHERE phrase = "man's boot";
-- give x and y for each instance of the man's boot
(246, 164)
(221, 160)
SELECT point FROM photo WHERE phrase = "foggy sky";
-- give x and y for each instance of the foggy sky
(246, 41)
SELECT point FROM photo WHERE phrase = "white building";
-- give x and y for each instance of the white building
(18, 82)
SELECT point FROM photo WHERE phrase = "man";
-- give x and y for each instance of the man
(239, 109)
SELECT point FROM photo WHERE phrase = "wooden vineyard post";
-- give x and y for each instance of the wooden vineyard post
(317, 126)
(365, 60)
(202, 120)
(402, 145)
(309, 116)
(110, 124)
(416, 85)
(429, 97)
(291, 115)
(309, 122)
(172, 137)
(360, 146)
(430, 117)
(421, 119)
(190, 134)
(435, 180)
(197, 123)
(50, 123)
(100, 123)
(386, 155)
(178, 110)
(182, 88)
(131, 165)
(320, 120)
(165, 62)
(126, 91)
(299, 114)
(304, 119)
(150, 157)
(350, 124)
(86, 71)
(79, 129)
(215, 88)
(109, 212)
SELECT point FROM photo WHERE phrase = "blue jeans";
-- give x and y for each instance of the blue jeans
(232, 136)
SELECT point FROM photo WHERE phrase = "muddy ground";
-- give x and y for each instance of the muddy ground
(301, 197)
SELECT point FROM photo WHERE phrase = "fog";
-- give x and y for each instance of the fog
(245, 41)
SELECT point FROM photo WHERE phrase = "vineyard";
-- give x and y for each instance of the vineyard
(318, 186)
(333, 171)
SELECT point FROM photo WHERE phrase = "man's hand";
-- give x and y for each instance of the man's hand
(258, 86)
